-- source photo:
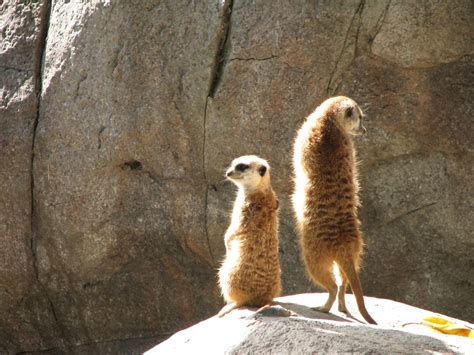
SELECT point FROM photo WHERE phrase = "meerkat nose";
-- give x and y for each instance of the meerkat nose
(228, 173)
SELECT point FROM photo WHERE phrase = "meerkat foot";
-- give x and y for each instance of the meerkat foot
(323, 309)
(332, 288)
(227, 309)
(342, 309)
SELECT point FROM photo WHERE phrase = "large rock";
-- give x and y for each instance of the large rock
(113, 208)
(400, 331)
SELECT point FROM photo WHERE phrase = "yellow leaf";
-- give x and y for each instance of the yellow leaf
(447, 327)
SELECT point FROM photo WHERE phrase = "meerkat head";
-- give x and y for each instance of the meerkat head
(348, 113)
(249, 172)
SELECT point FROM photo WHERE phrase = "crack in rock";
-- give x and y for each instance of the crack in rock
(219, 62)
(379, 24)
(411, 212)
(206, 192)
(253, 59)
(40, 54)
(358, 11)
(222, 48)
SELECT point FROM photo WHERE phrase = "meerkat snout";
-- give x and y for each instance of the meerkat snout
(361, 130)
(236, 171)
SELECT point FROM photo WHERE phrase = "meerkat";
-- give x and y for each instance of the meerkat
(325, 200)
(250, 273)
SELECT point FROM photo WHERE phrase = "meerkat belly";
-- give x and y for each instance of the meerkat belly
(251, 268)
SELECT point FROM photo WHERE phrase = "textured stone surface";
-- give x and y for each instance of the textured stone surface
(113, 229)
(307, 331)
(119, 184)
(27, 321)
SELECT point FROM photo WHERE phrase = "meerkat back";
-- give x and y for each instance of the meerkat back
(325, 199)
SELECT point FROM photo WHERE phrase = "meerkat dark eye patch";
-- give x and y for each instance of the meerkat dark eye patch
(262, 170)
(349, 112)
(241, 167)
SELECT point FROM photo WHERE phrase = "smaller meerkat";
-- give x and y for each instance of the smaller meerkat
(325, 199)
(250, 273)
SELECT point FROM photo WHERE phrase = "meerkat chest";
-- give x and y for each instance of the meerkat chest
(258, 218)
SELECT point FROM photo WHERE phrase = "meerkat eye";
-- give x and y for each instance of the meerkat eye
(241, 167)
(349, 111)
(262, 170)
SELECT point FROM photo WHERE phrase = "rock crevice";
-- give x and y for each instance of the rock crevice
(223, 44)
(38, 74)
(40, 55)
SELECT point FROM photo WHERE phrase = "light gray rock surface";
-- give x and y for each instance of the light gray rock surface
(307, 332)
(118, 118)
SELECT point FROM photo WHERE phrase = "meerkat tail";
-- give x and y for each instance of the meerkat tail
(264, 307)
(348, 268)
(227, 309)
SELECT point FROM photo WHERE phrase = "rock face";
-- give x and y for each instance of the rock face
(119, 185)
(307, 332)
(27, 319)
(117, 119)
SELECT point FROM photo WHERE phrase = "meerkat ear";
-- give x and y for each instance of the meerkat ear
(349, 111)
(262, 170)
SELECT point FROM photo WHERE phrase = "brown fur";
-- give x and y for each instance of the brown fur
(325, 199)
(250, 273)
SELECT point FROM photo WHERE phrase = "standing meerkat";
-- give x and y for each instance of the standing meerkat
(250, 273)
(325, 200)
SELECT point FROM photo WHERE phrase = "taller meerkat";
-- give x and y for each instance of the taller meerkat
(325, 199)
(250, 273)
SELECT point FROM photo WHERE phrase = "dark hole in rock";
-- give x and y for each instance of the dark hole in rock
(132, 165)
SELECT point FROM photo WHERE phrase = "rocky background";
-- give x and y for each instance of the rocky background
(118, 118)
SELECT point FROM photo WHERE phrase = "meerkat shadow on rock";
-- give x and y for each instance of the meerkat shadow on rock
(250, 273)
(325, 200)
(297, 309)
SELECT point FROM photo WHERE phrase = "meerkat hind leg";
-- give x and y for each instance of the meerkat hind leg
(323, 275)
(341, 289)
(341, 293)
